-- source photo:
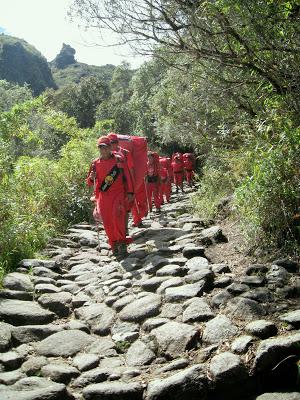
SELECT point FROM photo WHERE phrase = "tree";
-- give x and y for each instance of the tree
(11, 94)
(80, 101)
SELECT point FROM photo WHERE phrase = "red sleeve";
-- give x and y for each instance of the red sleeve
(89, 181)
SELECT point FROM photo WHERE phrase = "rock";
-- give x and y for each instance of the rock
(261, 328)
(57, 302)
(191, 251)
(98, 316)
(196, 264)
(292, 317)
(237, 288)
(184, 292)
(188, 384)
(222, 282)
(19, 312)
(11, 360)
(174, 338)
(252, 281)
(220, 298)
(17, 281)
(5, 336)
(176, 281)
(138, 310)
(34, 388)
(218, 330)
(59, 372)
(171, 310)
(153, 323)
(271, 351)
(103, 347)
(277, 276)
(289, 265)
(212, 235)
(46, 288)
(171, 270)
(114, 391)
(84, 362)
(95, 375)
(279, 396)
(122, 302)
(245, 309)
(153, 283)
(9, 378)
(256, 269)
(64, 344)
(125, 331)
(16, 295)
(227, 366)
(262, 295)
(220, 268)
(45, 272)
(241, 344)
(34, 333)
(174, 365)
(197, 310)
(33, 365)
(139, 354)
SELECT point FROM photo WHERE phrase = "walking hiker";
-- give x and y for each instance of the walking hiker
(177, 168)
(112, 186)
(153, 180)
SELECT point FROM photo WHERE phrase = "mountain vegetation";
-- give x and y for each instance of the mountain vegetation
(21, 63)
(223, 82)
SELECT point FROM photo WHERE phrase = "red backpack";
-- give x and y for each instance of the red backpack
(137, 145)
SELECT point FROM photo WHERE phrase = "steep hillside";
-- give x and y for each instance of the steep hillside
(22, 63)
(67, 70)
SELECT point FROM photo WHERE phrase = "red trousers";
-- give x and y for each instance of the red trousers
(189, 176)
(153, 193)
(140, 208)
(165, 191)
(178, 178)
(113, 213)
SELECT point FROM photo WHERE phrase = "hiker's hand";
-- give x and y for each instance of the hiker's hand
(130, 197)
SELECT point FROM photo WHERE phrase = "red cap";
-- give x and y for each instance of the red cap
(103, 141)
(113, 137)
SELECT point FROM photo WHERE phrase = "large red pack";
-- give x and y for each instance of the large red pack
(137, 145)
(165, 162)
(155, 161)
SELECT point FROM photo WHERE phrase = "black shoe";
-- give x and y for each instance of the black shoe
(123, 253)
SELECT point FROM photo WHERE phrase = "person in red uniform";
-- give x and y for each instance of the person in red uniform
(189, 167)
(126, 154)
(165, 180)
(153, 180)
(108, 174)
(177, 168)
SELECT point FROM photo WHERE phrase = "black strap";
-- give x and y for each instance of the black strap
(110, 178)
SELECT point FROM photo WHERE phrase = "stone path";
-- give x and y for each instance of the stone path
(165, 323)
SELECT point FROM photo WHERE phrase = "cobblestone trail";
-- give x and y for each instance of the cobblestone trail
(165, 323)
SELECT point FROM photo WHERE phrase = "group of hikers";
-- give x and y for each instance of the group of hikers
(128, 178)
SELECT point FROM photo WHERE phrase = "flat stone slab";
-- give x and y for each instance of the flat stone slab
(18, 312)
(174, 338)
(98, 316)
(271, 351)
(188, 384)
(139, 354)
(292, 317)
(219, 329)
(197, 310)
(18, 281)
(114, 391)
(279, 396)
(138, 310)
(184, 292)
(5, 336)
(34, 388)
(261, 328)
(226, 366)
(64, 344)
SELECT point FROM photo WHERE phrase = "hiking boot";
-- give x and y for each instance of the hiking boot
(123, 253)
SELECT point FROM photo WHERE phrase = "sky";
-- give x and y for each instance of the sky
(44, 24)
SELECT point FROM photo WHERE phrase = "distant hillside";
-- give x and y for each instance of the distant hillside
(66, 70)
(22, 63)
